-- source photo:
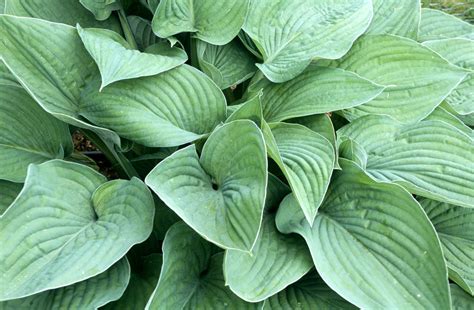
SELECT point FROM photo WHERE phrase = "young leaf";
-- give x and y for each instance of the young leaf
(27, 134)
(8, 193)
(372, 238)
(417, 79)
(276, 261)
(308, 293)
(251, 109)
(69, 12)
(67, 225)
(455, 228)
(143, 280)
(317, 90)
(226, 65)
(118, 61)
(289, 34)
(461, 53)
(88, 294)
(437, 25)
(305, 158)
(220, 195)
(215, 22)
(101, 8)
(430, 158)
(176, 107)
(54, 71)
(191, 275)
(396, 17)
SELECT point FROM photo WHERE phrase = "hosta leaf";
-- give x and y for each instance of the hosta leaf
(164, 219)
(417, 79)
(54, 70)
(6, 77)
(276, 261)
(101, 8)
(396, 17)
(461, 300)
(191, 275)
(455, 228)
(215, 22)
(226, 65)
(170, 109)
(441, 114)
(2, 6)
(317, 90)
(8, 193)
(308, 293)
(69, 12)
(143, 280)
(27, 134)
(349, 149)
(67, 225)
(430, 158)
(322, 124)
(436, 25)
(289, 34)
(88, 294)
(251, 109)
(249, 44)
(306, 159)
(118, 61)
(461, 53)
(141, 29)
(371, 238)
(220, 195)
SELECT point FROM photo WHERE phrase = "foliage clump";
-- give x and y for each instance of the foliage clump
(272, 155)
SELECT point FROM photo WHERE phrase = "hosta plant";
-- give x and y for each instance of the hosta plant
(265, 154)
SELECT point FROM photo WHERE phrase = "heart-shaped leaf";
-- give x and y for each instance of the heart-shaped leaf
(289, 34)
(226, 65)
(54, 71)
(220, 195)
(317, 90)
(215, 22)
(308, 293)
(88, 294)
(417, 79)
(437, 25)
(191, 275)
(27, 134)
(101, 8)
(8, 193)
(461, 53)
(276, 261)
(69, 12)
(371, 238)
(67, 225)
(455, 227)
(306, 159)
(143, 280)
(430, 158)
(396, 17)
(118, 61)
(170, 109)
